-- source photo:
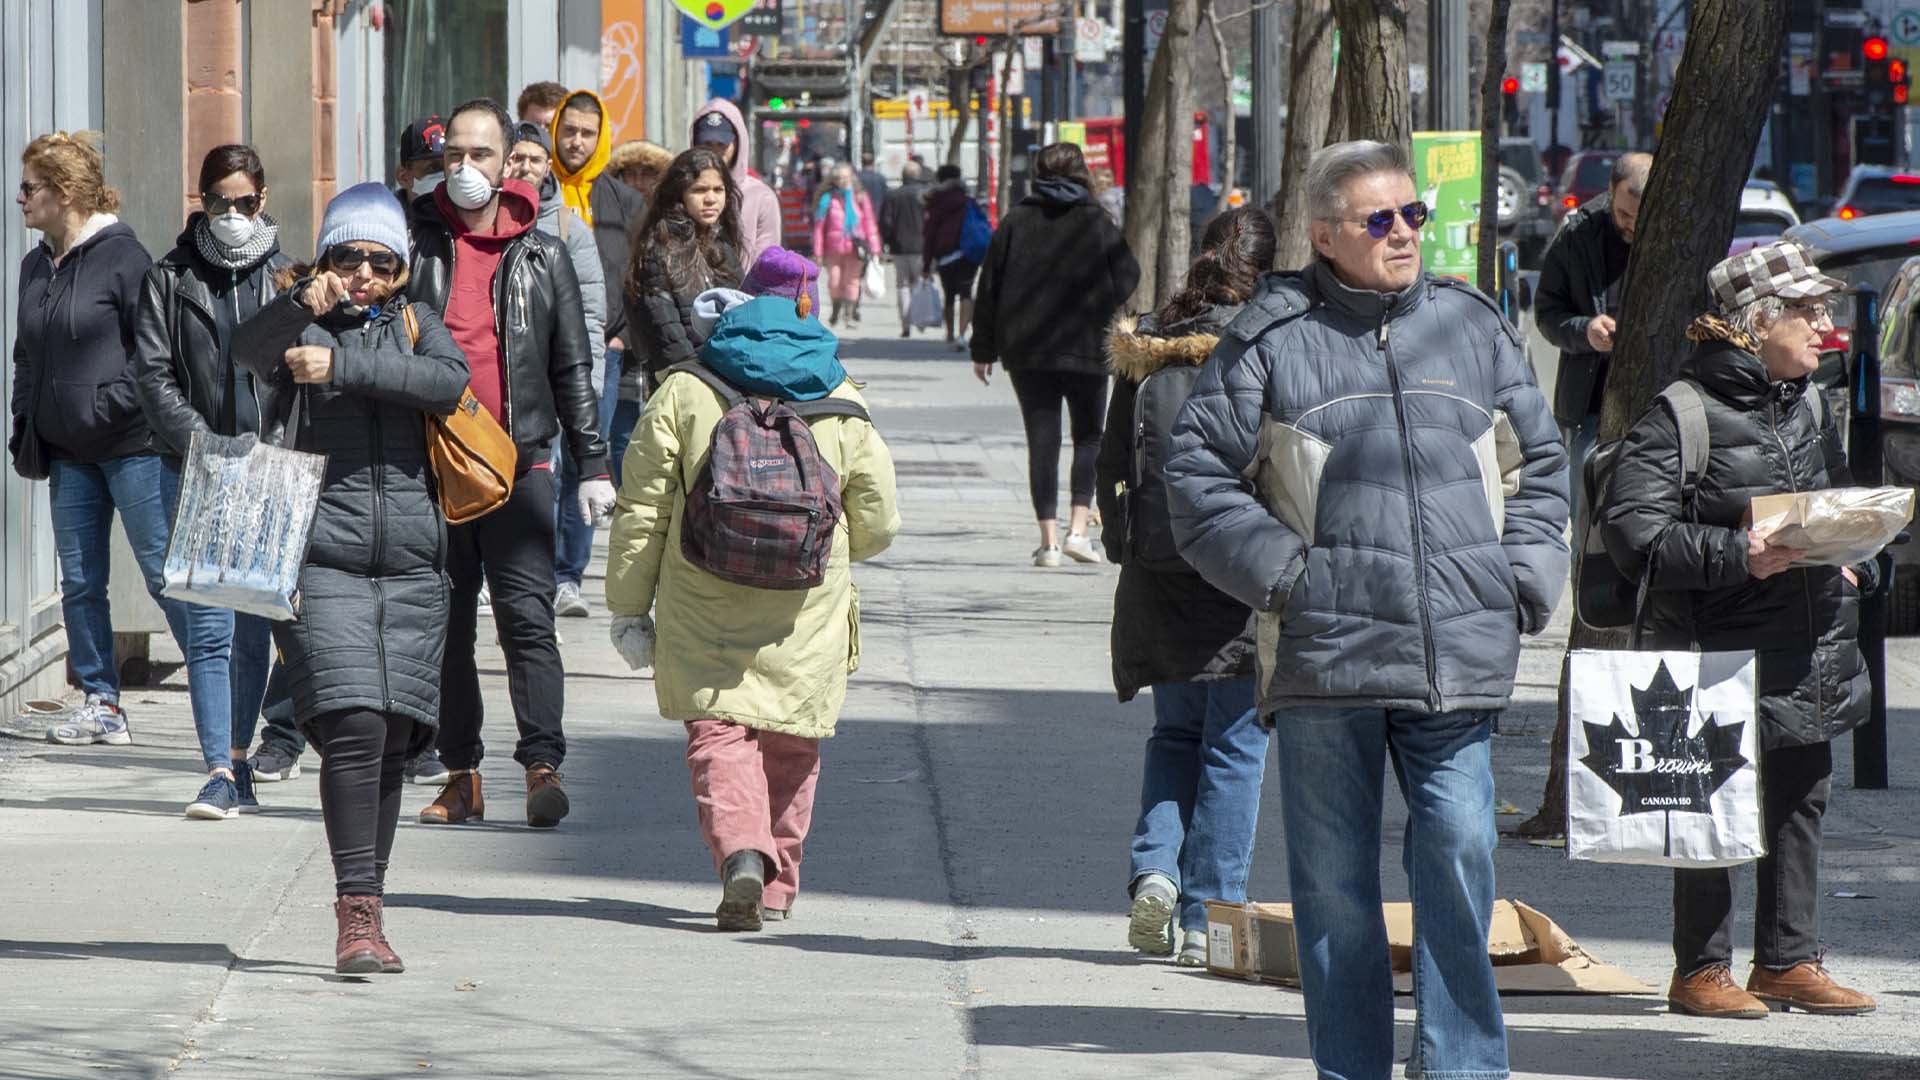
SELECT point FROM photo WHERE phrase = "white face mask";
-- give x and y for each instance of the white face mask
(468, 187)
(233, 229)
(424, 185)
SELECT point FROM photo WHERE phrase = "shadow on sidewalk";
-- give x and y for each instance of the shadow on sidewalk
(630, 912)
(211, 953)
(910, 949)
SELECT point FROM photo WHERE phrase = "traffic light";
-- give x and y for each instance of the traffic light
(1874, 48)
(1876, 69)
(1510, 98)
(1901, 81)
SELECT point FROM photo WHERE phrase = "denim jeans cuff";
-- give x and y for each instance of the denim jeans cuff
(1456, 1075)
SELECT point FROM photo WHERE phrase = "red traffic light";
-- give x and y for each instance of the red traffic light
(1509, 86)
(1896, 71)
(1900, 94)
(1874, 48)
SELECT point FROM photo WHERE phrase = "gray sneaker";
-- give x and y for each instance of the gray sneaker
(271, 764)
(97, 721)
(1193, 949)
(427, 768)
(568, 602)
(1150, 917)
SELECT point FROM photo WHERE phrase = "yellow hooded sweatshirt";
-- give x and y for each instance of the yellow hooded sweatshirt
(576, 188)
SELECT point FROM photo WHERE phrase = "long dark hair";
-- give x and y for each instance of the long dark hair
(1236, 249)
(669, 238)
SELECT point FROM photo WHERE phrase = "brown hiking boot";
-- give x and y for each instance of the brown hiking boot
(1712, 992)
(546, 799)
(354, 951)
(1809, 988)
(459, 800)
(389, 960)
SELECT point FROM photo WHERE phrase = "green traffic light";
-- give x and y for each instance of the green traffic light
(776, 103)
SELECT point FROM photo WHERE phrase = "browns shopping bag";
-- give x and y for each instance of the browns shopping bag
(1662, 758)
(240, 532)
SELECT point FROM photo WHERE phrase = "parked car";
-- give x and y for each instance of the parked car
(1876, 189)
(1876, 253)
(1589, 173)
(1765, 215)
(1526, 199)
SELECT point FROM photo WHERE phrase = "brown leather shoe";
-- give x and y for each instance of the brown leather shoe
(459, 800)
(1712, 992)
(1809, 988)
(390, 963)
(354, 952)
(546, 799)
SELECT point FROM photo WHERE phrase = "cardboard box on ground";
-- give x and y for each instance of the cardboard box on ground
(1531, 954)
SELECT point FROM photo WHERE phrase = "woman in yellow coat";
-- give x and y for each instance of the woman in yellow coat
(757, 675)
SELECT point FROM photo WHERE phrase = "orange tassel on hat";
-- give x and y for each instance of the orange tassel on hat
(802, 303)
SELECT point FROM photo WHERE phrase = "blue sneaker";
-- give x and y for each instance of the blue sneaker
(218, 799)
(243, 787)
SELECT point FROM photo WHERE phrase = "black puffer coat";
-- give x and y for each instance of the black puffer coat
(1169, 625)
(1804, 624)
(660, 317)
(1572, 291)
(373, 594)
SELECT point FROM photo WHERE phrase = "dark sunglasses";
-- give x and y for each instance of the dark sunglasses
(220, 204)
(348, 259)
(1380, 222)
(28, 189)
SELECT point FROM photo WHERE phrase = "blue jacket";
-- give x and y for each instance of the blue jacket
(1380, 479)
(764, 347)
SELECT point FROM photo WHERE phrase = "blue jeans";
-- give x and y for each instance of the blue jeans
(1200, 793)
(573, 534)
(1331, 780)
(142, 488)
(626, 415)
(610, 389)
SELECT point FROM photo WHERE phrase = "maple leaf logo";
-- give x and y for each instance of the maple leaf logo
(1663, 768)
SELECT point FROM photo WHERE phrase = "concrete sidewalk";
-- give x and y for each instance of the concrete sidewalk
(962, 908)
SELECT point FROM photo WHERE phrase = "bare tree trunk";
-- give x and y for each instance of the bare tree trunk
(1176, 238)
(1146, 207)
(1310, 106)
(1686, 222)
(1373, 46)
(1229, 139)
(1490, 122)
(1003, 106)
(959, 90)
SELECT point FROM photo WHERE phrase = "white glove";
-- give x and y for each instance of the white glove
(632, 637)
(596, 499)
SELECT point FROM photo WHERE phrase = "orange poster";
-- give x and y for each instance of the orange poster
(623, 29)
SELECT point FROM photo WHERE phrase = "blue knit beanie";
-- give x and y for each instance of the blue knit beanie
(365, 212)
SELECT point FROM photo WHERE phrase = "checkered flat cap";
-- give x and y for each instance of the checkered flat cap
(1783, 268)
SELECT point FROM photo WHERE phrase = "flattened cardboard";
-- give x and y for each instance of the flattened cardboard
(1531, 953)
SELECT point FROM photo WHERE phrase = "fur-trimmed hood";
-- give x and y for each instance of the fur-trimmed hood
(1136, 348)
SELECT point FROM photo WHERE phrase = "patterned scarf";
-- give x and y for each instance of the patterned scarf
(266, 235)
(1711, 327)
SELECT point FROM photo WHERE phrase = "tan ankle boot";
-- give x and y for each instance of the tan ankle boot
(1809, 988)
(546, 800)
(459, 800)
(1712, 992)
(354, 952)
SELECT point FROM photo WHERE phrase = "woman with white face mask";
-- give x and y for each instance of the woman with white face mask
(218, 275)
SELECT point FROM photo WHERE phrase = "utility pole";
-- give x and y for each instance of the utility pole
(1269, 91)
(1448, 93)
(1554, 90)
(1133, 79)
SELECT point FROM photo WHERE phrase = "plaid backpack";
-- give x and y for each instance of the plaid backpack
(763, 509)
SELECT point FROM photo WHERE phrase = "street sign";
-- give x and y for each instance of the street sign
(1906, 27)
(1416, 78)
(1090, 41)
(1033, 53)
(919, 104)
(763, 21)
(1533, 78)
(1854, 17)
(714, 14)
(1619, 80)
(1612, 49)
(699, 41)
(989, 18)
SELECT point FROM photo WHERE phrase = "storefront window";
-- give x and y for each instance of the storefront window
(441, 53)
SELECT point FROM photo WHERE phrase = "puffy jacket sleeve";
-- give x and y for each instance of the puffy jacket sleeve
(649, 488)
(1223, 529)
(653, 318)
(167, 409)
(430, 379)
(260, 343)
(1559, 314)
(1536, 515)
(868, 495)
(592, 276)
(576, 404)
(1641, 516)
(1113, 469)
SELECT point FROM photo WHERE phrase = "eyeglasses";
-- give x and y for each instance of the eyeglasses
(220, 204)
(348, 259)
(1380, 222)
(28, 189)
(1816, 310)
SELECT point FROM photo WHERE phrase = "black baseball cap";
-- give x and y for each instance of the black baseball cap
(424, 138)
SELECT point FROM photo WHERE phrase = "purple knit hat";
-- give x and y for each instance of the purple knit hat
(779, 272)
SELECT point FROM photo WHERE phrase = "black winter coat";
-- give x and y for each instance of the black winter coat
(543, 345)
(660, 317)
(945, 217)
(1804, 624)
(1169, 625)
(617, 210)
(903, 219)
(73, 351)
(1572, 291)
(372, 624)
(1057, 272)
(188, 311)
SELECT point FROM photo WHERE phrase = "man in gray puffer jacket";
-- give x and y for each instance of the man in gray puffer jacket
(1367, 462)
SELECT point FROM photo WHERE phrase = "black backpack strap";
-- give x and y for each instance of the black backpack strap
(1689, 408)
(728, 394)
(829, 406)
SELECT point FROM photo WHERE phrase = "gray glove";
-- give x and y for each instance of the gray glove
(596, 499)
(632, 637)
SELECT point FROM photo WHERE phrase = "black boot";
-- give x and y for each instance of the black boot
(743, 879)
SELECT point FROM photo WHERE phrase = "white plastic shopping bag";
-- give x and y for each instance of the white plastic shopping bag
(241, 530)
(1663, 758)
(923, 309)
(874, 279)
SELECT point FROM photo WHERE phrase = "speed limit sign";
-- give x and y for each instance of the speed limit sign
(1619, 80)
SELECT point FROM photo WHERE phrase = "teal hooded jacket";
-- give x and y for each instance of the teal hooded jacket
(767, 349)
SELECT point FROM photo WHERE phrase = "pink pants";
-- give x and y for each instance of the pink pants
(754, 790)
(843, 276)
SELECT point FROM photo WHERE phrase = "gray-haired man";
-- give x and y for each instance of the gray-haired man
(1367, 462)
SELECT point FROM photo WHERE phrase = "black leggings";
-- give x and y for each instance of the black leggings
(1040, 394)
(362, 753)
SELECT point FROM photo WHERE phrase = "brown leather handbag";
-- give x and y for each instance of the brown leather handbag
(472, 456)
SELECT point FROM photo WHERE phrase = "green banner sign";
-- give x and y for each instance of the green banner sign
(1446, 173)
